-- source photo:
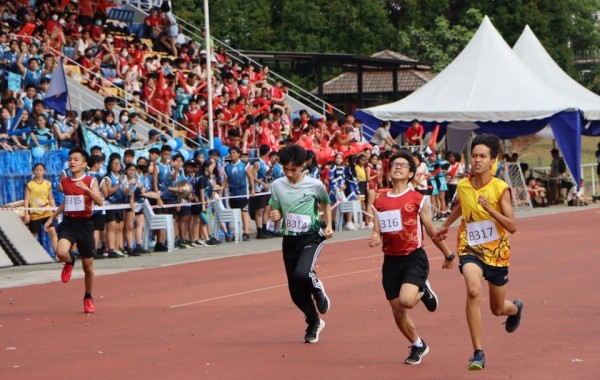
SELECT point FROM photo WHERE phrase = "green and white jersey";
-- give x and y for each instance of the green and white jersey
(298, 204)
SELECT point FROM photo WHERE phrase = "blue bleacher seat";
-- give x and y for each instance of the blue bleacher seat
(120, 15)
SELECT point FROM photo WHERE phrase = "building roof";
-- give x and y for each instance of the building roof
(409, 79)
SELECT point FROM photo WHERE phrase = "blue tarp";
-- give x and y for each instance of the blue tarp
(567, 127)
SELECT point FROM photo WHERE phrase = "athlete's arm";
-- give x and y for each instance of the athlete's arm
(442, 233)
(375, 237)
(507, 217)
(327, 214)
(431, 232)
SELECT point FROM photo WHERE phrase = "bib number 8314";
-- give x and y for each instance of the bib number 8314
(297, 223)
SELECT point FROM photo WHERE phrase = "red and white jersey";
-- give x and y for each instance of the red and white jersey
(78, 203)
(399, 216)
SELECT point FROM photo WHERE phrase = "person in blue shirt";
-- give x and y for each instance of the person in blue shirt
(257, 173)
(236, 182)
(11, 57)
(32, 74)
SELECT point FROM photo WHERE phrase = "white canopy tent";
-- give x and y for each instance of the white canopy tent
(489, 85)
(531, 51)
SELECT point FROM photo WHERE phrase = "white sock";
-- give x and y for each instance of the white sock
(418, 343)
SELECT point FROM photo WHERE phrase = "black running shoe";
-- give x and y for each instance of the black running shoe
(245, 237)
(513, 321)
(477, 362)
(429, 298)
(313, 331)
(321, 299)
(160, 247)
(212, 241)
(262, 235)
(113, 254)
(416, 353)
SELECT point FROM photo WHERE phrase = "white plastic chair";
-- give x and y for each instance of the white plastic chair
(157, 222)
(343, 207)
(227, 215)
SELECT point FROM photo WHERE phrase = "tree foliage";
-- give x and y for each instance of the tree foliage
(433, 31)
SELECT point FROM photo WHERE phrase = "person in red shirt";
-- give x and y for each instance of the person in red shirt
(194, 121)
(153, 23)
(399, 215)
(81, 193)
(414, 134)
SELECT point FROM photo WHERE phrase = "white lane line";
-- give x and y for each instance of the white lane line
(263, 289)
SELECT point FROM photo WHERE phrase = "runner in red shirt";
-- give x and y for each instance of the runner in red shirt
(398, 218)
(81, 193)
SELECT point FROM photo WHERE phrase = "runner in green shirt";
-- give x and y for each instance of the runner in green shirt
(296, 198)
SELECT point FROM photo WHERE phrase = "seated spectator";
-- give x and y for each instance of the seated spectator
(414, 134)
(64, 130)
(153, 137)
(537, 193)
(576, 197)
(4, 129)
(382, 137)
(41, 135)
(110, 130)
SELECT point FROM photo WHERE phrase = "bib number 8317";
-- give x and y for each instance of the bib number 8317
(481, 232)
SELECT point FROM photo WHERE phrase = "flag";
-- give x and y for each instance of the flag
(14, 81)
(330, 109)
(57, 94)
(434, 136)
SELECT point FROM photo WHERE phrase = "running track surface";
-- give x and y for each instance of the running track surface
(232, 318)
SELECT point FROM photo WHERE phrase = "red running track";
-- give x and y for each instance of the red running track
(232, 318)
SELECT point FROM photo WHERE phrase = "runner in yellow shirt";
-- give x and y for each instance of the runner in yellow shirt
(38, 194)
(483, 247)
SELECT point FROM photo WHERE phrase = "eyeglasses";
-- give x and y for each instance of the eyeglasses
(401, 165)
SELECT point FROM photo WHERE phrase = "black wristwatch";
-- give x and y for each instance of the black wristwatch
(451, 257)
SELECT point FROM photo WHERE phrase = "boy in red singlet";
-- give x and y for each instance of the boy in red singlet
(399, 215)
(81, 193)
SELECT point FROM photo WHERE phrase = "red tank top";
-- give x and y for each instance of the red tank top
(400, 214)
(78, 203)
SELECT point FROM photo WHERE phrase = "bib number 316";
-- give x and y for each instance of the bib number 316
(390, 221)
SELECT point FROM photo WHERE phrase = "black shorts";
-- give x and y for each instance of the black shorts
(36, 225)
(98, 220)
(362, 187)
(184, 211)
(258, 202)
(409, 269)
(167, 210)
(80, 231)
(241, 203)
(497, 276)
(113, 216)
(196, 210)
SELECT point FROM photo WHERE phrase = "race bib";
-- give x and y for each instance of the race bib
(390, 221)
(297, 223)
(74, 203)
(481, 232)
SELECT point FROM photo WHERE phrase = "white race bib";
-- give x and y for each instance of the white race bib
(74, 203)
(297, 223)
(481, 232)
(390, 221)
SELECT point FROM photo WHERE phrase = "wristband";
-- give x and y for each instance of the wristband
(451, 257)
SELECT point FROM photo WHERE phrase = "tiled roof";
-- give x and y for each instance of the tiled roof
(379, 81)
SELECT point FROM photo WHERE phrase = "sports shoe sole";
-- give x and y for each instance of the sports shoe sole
(434, 296)
(321, 327)
(324, 308)
(513, 321)
(67, 271)
(476, 366)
